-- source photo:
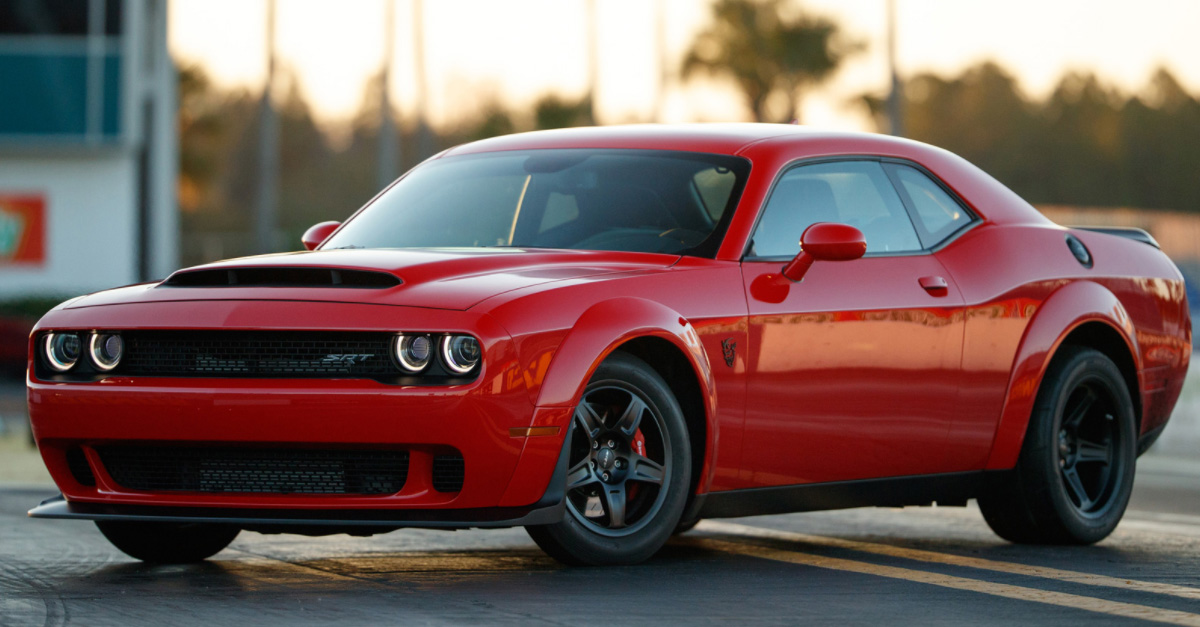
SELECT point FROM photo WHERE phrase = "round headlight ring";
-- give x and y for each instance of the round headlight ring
(413, 352)
(460, 353)
(62, 351)
(106, 350)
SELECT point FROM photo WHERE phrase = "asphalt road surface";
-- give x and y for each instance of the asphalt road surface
(929, 566)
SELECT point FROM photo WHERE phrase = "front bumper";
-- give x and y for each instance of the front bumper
(547, 510)
(486, 421)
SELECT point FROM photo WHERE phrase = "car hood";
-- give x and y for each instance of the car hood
(434, 278)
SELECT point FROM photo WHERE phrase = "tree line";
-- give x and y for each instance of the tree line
(1085, 143)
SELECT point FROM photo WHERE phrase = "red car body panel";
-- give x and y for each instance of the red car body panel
(859, 371)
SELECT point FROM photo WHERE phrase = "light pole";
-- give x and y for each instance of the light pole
(895, 104)
(268, 151)
(388, 151)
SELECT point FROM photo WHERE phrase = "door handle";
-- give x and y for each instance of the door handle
(935, 285)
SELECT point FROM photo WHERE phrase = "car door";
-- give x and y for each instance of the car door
(853, 371)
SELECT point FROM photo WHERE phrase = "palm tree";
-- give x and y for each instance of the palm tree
(767, 52)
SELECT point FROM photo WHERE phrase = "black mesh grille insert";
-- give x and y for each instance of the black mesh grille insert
(269, 471)
(285, 354)
(448, 472)
(80, 469)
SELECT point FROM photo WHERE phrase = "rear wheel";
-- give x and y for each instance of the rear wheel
(627, 472)
(167, 543)
(1075, 473)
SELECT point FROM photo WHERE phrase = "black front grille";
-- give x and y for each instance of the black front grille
(285, 354)
(448, 472)
(262, 471)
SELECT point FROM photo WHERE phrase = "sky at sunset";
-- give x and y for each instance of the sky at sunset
(517, 50)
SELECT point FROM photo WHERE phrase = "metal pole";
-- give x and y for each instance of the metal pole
(660, 95)
(387, 128)
(425, 146)
(593, 59)
(268, 151)
(896, 97)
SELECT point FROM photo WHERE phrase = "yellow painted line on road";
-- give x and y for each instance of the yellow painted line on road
(1060, 599)
(956, 560)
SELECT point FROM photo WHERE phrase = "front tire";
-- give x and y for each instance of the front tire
(167, 543)
(1074, 477)
(629, 469)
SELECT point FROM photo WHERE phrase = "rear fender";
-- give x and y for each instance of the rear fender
(1063, 311)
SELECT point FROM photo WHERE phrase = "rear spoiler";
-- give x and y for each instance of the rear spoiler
(1127, 232)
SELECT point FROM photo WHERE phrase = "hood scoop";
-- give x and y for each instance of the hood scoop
(283, 277)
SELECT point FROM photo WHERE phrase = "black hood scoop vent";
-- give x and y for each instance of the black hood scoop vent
(282, 277)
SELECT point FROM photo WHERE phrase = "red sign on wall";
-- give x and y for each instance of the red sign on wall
(22, 229)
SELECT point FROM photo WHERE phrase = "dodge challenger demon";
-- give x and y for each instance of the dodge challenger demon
(605, 335)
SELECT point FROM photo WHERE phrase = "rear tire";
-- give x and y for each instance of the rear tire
(629, 469)
(167, 543)
(1075, 473)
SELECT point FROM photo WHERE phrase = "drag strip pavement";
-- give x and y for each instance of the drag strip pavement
(928, 566)
(741, 540)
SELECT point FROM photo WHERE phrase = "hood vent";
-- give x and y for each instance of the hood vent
(283, 277)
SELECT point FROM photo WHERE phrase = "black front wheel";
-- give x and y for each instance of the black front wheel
(1075, 473)
(628, 469)
(167, 543)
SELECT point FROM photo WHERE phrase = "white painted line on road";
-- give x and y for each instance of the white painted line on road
(955, 560)
(1153, 526)
(1161, 522)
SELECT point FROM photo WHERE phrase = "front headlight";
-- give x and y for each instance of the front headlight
(413, 352)
(61, 350)
(106, 350)
(460, 353)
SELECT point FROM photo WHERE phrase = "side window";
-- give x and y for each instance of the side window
(857, 193)
(938, 215)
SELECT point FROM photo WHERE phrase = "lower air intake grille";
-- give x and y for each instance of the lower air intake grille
(80, 469)
(448, 472)
(263, 471)
(269, 354)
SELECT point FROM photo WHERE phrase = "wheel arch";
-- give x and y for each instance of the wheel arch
(662, 338)
(1082, 313)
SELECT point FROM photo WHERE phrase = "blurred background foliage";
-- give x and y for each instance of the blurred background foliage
(1086, 143)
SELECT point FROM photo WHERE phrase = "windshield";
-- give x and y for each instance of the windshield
(638, 201)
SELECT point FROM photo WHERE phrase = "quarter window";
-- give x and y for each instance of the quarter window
(857, 193)
(938, 214)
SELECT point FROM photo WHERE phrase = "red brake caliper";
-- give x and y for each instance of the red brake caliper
(639, 448)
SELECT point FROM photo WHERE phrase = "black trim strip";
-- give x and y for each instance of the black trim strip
(948, 489)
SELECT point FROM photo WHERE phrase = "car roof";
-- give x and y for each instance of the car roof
(714, 138)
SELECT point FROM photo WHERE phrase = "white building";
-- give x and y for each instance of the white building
(88, 148)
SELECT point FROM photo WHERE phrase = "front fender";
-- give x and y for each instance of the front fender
(603, 328)
(1062, 312)
(607, 325)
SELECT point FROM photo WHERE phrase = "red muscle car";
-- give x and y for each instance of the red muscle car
(607, 334)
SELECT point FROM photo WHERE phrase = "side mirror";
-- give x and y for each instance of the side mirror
(826, 241)
(318, 233)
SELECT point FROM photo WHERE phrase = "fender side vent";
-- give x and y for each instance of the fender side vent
(282, 277)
